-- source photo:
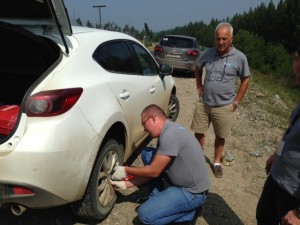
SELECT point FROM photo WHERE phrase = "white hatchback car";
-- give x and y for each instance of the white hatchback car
(77, 95)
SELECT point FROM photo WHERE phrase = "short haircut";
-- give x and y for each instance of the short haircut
(225, 24)
(154, 110)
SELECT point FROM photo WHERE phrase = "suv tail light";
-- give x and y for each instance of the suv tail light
(52, 103)
(192, 52)
(158, 48)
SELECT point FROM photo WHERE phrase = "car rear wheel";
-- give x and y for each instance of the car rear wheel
(173, 108)
(100, 196)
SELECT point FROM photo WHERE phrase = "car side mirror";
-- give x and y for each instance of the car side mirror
(165, 70)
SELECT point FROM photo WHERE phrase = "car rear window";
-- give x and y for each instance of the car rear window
(176, 42)
(115, 57)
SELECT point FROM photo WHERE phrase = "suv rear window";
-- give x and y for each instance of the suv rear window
(176, 42)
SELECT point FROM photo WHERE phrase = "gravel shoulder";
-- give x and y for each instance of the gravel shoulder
(232, 199)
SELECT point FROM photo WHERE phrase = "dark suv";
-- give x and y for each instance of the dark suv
(179, 51)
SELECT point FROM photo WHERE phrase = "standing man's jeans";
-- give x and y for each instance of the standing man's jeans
(173, 204)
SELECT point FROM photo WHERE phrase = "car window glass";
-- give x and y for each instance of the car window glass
(148, 65)
(176, 42)
(115, 57)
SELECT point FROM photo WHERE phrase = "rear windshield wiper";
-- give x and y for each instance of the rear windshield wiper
(170, 45)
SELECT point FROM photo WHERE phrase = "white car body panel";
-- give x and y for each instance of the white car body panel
(43, 144)
(57, 154)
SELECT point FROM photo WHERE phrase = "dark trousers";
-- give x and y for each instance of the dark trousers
(274, 203)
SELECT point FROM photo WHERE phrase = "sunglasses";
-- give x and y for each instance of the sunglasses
(143, 123)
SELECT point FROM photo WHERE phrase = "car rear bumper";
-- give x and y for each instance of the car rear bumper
(53, 159)
(10, 195)
(179, 65)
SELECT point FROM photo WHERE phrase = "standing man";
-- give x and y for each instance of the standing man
(280, 199)
(223, 64)
(179, 160)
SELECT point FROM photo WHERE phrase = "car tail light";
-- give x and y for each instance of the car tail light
(52, 103)
(21, 191)
(192, 52)
(158, 48)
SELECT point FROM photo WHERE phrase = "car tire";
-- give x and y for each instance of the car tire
(100, 196)
(173, 108)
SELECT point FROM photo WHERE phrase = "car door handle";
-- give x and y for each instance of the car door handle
(125, 95)
(152, 90)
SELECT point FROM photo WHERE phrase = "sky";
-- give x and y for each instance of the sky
(158, 14)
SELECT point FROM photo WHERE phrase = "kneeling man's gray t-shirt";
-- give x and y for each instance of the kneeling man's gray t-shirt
(188, 169)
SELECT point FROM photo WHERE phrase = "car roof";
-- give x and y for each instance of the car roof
(94, 36)
(109, 35)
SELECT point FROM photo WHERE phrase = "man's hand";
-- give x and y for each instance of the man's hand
(118, 185)
(119, 173)
(200, 90)
(291, 218)
(269, 163)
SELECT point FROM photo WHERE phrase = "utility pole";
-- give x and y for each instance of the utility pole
(99, 7)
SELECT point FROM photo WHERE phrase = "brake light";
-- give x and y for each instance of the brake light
(158, 48)
(192, 52)
(52, 103)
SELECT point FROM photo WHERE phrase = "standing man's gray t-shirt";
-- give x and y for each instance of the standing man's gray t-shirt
(221, 75)
(188, 168)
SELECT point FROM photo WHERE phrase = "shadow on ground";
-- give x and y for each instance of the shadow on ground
(54, 216)
(216, 212)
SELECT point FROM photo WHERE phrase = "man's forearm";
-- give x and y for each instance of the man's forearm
(144, 171)
(137, 181)
(242, 90)
(198, 76)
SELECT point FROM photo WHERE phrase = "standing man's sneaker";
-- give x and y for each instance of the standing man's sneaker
(218, 172)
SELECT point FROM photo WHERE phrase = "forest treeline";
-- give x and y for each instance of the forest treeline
(267, 34)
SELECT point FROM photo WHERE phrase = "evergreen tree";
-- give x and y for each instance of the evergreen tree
(78, 22)
(89, 24)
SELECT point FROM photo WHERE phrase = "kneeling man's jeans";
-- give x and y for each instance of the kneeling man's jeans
(173, 204)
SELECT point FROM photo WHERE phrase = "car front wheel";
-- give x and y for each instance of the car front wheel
(100, 196)
(173, 108)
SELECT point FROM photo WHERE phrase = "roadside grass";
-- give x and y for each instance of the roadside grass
(280, 94)
(150, 46)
